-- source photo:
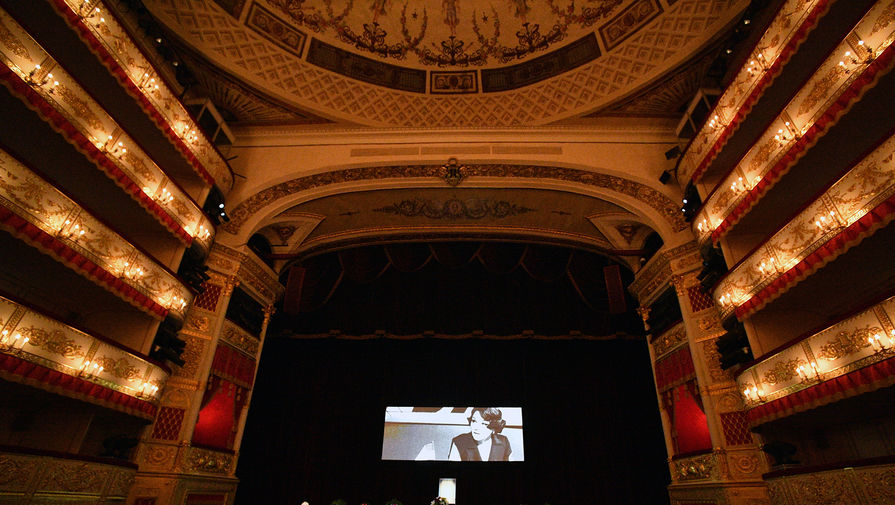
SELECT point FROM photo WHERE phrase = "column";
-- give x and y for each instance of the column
(713, 457)
(188, 455)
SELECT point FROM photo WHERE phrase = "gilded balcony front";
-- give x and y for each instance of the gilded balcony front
(35, 77)
(106, 37)
(39, 350)
(853, 66)
(35, 211)
(818, 368)
(789, 27)
(851, 209)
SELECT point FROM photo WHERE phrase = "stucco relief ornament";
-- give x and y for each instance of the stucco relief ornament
(453, 172)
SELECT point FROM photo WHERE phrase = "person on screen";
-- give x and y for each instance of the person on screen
(484, 441)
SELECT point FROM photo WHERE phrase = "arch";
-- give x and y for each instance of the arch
(657, 209)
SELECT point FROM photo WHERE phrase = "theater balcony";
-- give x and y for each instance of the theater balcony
(796, 40)
(140, 90)
(36, 79)
(34, 476)
(92, 261)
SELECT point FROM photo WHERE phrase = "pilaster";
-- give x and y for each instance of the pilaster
(729, 472)
(172, 465)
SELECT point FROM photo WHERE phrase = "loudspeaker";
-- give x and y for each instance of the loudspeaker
(615, 289)
(292, 296)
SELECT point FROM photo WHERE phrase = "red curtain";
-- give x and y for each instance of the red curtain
(691, 429)
(674, 369)
(234, 366)
(219, 415)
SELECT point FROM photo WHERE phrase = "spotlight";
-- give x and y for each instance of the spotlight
(665, 177)
(673, 153)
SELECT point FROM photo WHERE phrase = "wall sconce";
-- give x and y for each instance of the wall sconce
(876, 343)
(134, 273)
(165, 197)
(87, 11)
(754, 394)
(703, 226)
(767, 266)
(149, 85)
(826, 222)
(35, 78)
(147, 390)
(119, 149)
(9, 344)
(850, 60)
(90, 370)
(177, 303)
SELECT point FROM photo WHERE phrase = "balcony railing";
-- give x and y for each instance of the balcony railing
(861, 341)
(106, 37)
(853, 66)
(32, 476)
(779, 42)
(29, 72)
(81, 362)
(37, 212)
(849, 210)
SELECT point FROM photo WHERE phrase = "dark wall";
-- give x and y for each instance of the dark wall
(592, 429)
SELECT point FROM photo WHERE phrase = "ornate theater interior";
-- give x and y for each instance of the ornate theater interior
(237, 233)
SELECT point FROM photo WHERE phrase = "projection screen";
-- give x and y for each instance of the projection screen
(453, 434)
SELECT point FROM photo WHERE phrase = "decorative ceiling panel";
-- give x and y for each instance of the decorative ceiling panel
(550, 79)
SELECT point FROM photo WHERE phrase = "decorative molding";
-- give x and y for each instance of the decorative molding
(269, 26)
(661, 203)
(560, 61)
(655, 276)
(460, 82)
(859, 485)
(209, 461)
(628, 22)
(85, 243)
(701, 467)
(240, 339)
(675, 337)
(32, 478)
(453, 209)
(249, 272)
(365, 69)
(655, 48)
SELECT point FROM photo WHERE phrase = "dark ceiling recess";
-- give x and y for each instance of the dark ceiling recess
(458, 288)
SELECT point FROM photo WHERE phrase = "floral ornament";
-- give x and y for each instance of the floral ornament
(439, 501)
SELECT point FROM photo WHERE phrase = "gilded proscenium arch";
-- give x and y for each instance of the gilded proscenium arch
(659, 204)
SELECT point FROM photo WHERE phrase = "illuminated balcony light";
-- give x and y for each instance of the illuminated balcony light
(767, 266)
(825, 223)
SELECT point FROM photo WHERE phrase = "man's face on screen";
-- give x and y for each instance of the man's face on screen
(479, 427)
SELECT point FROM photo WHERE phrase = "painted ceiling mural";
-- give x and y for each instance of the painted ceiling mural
(447, 62)
(452, 33)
